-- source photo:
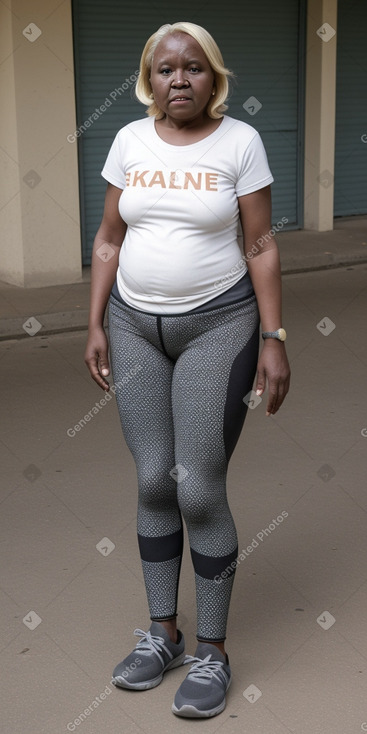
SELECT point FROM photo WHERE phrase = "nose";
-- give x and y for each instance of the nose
(179, 79)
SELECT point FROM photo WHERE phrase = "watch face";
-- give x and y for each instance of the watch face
(282, 335)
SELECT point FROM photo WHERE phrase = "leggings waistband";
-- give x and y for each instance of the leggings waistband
(240, 291)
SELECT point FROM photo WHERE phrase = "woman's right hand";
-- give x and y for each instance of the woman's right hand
(108, 240)
(96, 356)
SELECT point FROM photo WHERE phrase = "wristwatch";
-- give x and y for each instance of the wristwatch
(279, 334)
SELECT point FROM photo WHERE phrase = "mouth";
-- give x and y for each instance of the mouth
(180, 99)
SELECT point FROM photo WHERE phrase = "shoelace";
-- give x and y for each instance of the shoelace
(206, 668)
(151, 643)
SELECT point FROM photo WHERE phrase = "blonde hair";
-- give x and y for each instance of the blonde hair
(143, 89)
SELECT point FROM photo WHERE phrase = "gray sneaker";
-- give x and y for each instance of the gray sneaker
(203, 692)
(152, 656)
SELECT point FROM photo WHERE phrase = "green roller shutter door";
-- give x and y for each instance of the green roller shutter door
(261, 42)
(350, 194)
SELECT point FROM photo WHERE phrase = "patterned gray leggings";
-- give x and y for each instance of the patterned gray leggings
(181, 415)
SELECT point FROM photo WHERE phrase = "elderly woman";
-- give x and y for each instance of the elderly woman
(185, 306)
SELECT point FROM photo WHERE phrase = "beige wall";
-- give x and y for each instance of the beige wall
(320, 115)
(39, 205)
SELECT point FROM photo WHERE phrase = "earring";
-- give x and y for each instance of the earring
(151, 95)
(213, 92)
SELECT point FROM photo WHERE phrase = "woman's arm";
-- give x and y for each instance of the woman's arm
(262, 257)
(106, 248)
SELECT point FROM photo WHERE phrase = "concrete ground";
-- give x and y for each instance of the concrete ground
(72, 591)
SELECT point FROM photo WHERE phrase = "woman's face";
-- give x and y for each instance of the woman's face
(181, 78)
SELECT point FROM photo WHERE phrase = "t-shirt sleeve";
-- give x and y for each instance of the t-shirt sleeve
(254, 171)
(113, 169)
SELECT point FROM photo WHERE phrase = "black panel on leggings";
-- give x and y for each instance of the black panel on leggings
(208, 567)
(240, 382)
(161, 548)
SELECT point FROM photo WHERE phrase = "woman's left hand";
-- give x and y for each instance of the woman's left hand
(273, 368)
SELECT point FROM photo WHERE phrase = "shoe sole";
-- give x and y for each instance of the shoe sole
(190, 712)
(121, 682)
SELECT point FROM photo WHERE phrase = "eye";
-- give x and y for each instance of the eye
(165, 72)
(194, 69)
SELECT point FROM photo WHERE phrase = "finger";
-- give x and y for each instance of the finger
(101, 381)
(281, 395)
(282, 389)
(92, 364)
(103, 365)
(272, 399)
(260, 382)
(285, 386)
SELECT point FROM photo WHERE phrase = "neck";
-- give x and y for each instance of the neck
(194, 124)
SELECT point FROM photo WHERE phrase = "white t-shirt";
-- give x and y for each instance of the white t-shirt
(180, 204)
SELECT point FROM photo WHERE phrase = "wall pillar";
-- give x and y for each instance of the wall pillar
(39, 195)
(320, 114)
